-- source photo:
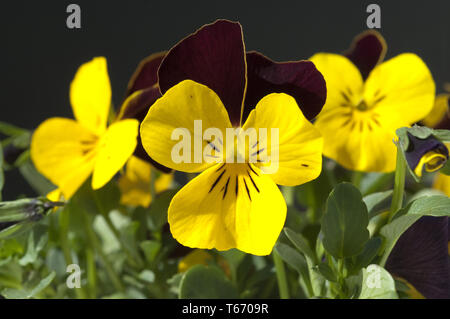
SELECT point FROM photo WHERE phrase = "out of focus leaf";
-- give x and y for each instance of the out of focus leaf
(28, 293)
(201, 282)
(2, 176)
(38, 182)
(150, 248)
(377, 283)
(157, 213)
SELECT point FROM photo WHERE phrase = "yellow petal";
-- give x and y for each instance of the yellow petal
(55, 195)
(401, 90)
(180, 106)
(64, 151)
(135, 184)
(439, 111)
(343, 79)
(229, 206)
(297, 157)
(442, 183)
(114, 149)
(196, 257)
(357, 142)
(90, 95)
(358, 122)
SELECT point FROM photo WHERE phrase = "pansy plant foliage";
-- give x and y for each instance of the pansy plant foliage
(208, 79)
(369, 99)
(68, 151)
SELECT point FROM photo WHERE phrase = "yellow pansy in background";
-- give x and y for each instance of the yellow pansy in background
(202, 257)
(135, 184)
(209, 77)
(368, 100)
(439, 111)
(68, 151)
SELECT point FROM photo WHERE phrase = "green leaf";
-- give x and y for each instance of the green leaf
(33, 249)
(378, 203)
(2, 176)
(445, 169)
(377, 284)
(424, 206)
(300, 243)
(150, 249)
(11, 130)
(11, 293)
(202, 282)
(39, 183)
(326, 271)
(157, 214)
(443, 135)
(368, 254)
(344, 224)
(294, 259)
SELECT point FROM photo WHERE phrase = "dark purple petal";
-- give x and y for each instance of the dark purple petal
(421, 257)
(299, 79)
(366, 51)
(136, 106)
(213, 56)
(146, 74)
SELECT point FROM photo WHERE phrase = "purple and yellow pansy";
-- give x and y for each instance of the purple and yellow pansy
(208, 76)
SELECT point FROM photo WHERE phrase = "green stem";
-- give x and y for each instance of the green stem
(397, 196)
(281, 276)
(399, 185)
(64, 241)
(97, 247)
(356, 178)
(288, 194)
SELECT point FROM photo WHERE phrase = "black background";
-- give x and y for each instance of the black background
(40, 55)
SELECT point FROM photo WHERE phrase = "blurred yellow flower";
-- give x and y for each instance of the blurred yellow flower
(68, 151)
(136, 182)
(361, 114)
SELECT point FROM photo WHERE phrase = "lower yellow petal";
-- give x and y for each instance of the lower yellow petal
(114, 149)
(64, 151)
(229, 206)
(357, 141)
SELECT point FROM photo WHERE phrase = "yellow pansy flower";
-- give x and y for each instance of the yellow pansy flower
(68, 151)
(208, 77)
(368, 100)
(135, 184)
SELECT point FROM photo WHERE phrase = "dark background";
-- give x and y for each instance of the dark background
(40, 55)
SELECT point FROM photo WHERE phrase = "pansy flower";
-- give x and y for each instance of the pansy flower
(367, 100)
(208, 77)
(135, 184)
(68, 151)
(428, 154)
(420, 257)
